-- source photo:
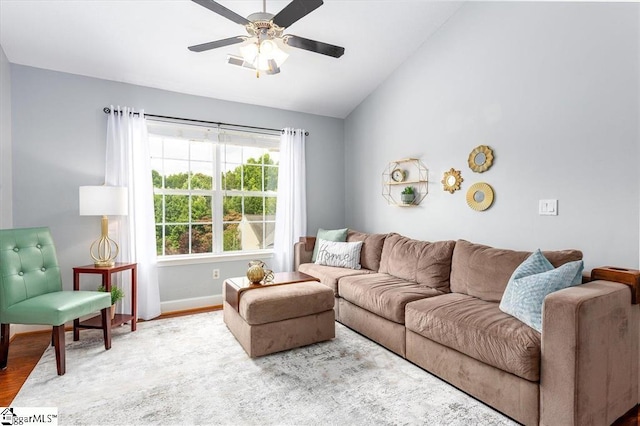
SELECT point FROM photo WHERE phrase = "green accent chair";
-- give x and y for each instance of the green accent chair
(31, 291)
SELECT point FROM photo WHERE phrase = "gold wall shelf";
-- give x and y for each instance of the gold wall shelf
(412, 172)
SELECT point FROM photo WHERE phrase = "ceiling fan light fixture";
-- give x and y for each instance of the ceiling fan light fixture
(260, 58)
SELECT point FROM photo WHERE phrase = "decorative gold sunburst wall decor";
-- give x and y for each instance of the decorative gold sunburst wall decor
(480, 196)
(480, 159)
(451, 180)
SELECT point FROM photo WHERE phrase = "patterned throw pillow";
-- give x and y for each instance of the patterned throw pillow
(531, 282)
(534, 264)
(343, 255)
(339, 235)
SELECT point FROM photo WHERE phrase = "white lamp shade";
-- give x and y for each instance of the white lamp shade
(104, 201)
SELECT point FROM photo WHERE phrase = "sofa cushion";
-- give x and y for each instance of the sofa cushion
(383, 294)
(281, 302)
(329, 275)
(338, 235)
(478, 329)
(371, 248)
(423, 262)
(341, 255)
(484, 271)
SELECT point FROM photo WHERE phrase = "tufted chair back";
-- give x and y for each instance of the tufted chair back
(28, 266)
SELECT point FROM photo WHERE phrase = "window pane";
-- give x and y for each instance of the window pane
(253, 155)
(201, 175)
(253, 208)
(270, 208)
(232, 177)
(176, 149)
(177, 208)
(176, 239)
(270, 232)
(231, 235)
(232, 154)
(256, 235)
(252, 178)
(176, 174)
(270, 178)
(156, 172)
(187, 206)
(201, 208)
(159, 240)
(155, 147)
(201, 151)
(201, 239)
(231, 208)
(157, 207)
(274, 157)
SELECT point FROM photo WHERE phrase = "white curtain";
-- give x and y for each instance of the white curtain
(128, 164)
(291, 207)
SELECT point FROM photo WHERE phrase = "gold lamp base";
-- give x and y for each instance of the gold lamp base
(104, 250)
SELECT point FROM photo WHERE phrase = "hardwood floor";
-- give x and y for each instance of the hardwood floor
(26, 349)
(24, 353)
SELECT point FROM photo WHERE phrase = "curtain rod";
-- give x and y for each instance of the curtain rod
(107, 110)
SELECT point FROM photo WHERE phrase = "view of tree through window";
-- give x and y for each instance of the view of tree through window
(197, 212)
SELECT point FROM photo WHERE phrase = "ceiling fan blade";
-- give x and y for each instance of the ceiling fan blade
(314, 46)
(294, 11)
(239, 61)
(221, 10)
(215, 44)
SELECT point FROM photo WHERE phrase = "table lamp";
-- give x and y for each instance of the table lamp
(104, 201)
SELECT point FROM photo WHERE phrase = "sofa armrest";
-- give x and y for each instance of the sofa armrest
(589, 363)
(303, 251)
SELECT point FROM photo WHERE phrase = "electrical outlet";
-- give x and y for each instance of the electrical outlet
(216, 274)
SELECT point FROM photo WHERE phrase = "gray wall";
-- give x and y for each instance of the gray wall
(59, 133)
(6, 218)
(553, 88)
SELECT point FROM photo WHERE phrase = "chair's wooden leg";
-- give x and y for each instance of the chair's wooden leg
(106, 327)
(76, 329)
(4, 345)
(58, 339)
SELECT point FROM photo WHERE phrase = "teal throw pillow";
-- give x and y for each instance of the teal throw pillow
(337, 235)
(524, 295)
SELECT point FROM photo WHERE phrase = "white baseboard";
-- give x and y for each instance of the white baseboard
(192, 303)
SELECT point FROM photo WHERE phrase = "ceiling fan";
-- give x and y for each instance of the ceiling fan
(264, 48)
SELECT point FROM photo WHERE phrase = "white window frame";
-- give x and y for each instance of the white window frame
(219, 137)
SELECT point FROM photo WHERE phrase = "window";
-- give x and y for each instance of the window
(214, 190)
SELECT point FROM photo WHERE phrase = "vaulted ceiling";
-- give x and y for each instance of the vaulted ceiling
(144, 42)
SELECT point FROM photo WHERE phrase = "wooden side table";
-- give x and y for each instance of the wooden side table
(106, 273)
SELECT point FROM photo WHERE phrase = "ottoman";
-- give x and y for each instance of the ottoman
(276, 318)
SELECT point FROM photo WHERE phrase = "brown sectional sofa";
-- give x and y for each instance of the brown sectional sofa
(436, 304)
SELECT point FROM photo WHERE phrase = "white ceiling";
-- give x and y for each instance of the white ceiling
(144, 42)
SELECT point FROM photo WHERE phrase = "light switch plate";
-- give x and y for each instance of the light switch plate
(548, 207)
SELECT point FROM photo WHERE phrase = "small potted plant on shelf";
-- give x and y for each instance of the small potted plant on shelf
(408, 195)
(116, 295)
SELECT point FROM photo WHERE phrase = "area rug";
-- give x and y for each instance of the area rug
(191, 370)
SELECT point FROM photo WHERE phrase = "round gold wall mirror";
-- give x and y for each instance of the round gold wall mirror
(480, 159)
(451, 180)
(480, 196)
